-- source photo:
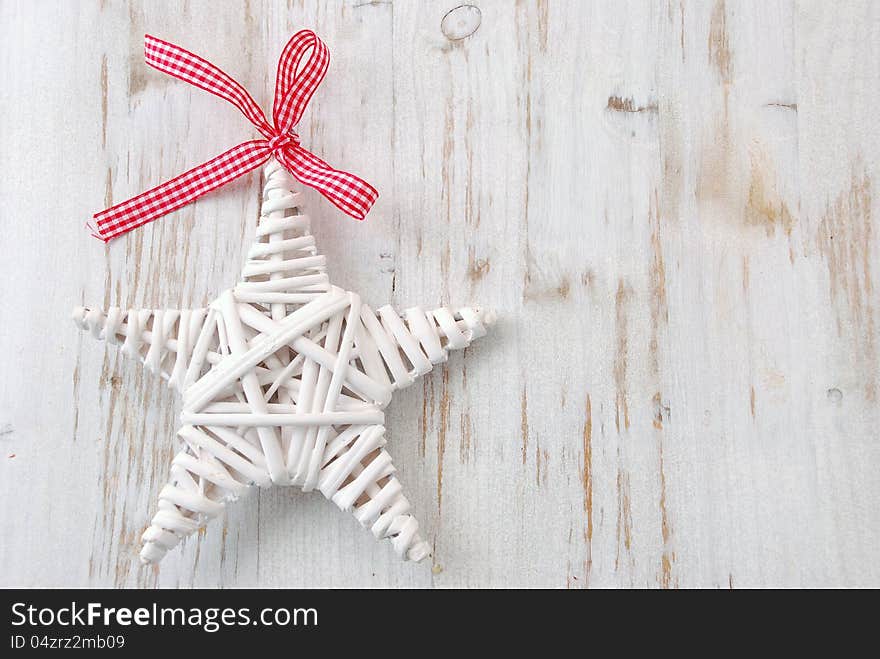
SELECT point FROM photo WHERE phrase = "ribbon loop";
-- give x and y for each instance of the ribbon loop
(199, 72)
(294, 91)
(294, 87)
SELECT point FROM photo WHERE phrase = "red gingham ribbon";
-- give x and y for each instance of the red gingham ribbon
(293, 91)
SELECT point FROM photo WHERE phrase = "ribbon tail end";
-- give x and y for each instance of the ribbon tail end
(360, 217)
(95, 231)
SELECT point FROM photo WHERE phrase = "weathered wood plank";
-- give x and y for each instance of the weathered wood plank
(671, 206)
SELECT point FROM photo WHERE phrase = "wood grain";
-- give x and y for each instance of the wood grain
(671, 206)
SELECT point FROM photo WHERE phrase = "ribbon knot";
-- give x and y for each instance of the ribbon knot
(294, 87)
(278, 142)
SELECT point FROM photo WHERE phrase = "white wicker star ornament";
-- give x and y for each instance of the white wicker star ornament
(284, 379)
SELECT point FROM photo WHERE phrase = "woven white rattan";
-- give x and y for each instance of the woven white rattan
(284, 379)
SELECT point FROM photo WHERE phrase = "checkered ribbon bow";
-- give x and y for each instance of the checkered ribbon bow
(293, 91)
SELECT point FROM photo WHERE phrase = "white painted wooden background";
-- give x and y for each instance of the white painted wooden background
(671, 206)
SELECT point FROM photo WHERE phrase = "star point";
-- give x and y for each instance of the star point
(284, 380)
